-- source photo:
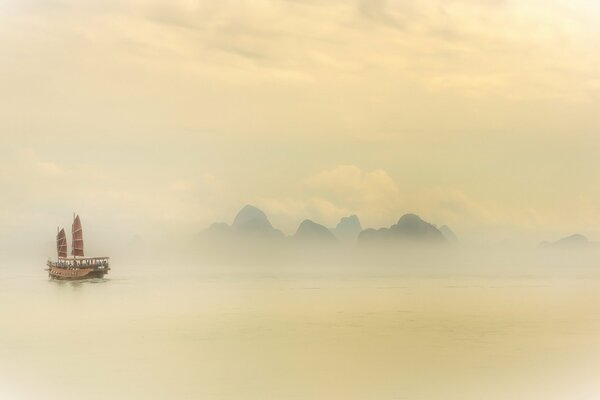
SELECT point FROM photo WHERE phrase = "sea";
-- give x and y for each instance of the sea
(203, 331)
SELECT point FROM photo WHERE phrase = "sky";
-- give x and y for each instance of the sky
(154, 119)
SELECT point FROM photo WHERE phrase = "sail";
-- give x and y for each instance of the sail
(77, 244)
(61, 243)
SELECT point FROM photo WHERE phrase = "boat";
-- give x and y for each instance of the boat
(77, 266)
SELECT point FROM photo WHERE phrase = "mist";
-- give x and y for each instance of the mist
(301, 199)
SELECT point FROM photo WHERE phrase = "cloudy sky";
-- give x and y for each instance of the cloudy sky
(148, 116)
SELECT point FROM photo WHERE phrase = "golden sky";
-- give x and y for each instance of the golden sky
(165, 116)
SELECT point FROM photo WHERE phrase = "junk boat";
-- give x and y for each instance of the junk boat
(78, 266)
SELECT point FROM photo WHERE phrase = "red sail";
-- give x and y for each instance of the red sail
(61, 243)
(77, 247)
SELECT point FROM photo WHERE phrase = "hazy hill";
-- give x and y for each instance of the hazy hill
(219, 228)
(250, 222)
(573, 241)
(373, 235)
(409, 228)
(251, 219)
(348, 229)
(449, 234)
(310, 231)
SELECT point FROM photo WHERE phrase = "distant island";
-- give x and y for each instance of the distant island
(252, 227)
(249, 223)
(348, 229)
(409, 228)
(575, 241)
(252, 224)
(311, 232)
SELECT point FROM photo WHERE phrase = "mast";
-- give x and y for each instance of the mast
(61, 243)
(77, 232)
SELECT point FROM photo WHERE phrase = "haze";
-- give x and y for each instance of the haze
(196, 139)
(155, 119)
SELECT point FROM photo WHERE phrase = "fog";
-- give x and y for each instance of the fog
(301, 199)
(154, 120)
(244, 311)
(249, 321)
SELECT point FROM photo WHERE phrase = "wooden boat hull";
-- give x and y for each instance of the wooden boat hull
(74, 273)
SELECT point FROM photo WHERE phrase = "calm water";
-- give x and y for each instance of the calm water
(169, 332)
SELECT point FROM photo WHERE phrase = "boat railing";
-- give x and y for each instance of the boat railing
(91, 262)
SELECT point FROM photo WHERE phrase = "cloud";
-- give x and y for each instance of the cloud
(29, 160)
(36, 192)
(515, 50)
(334, 193)
(350, 188)
(379, 201)
(453, 207)
(378, 11)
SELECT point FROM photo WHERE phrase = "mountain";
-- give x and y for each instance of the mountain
(371, 235)
(250, 222)
(448, 234)
(310, 231)
(572, 241)
(409, 228)
(251, 219)
(348, 229)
